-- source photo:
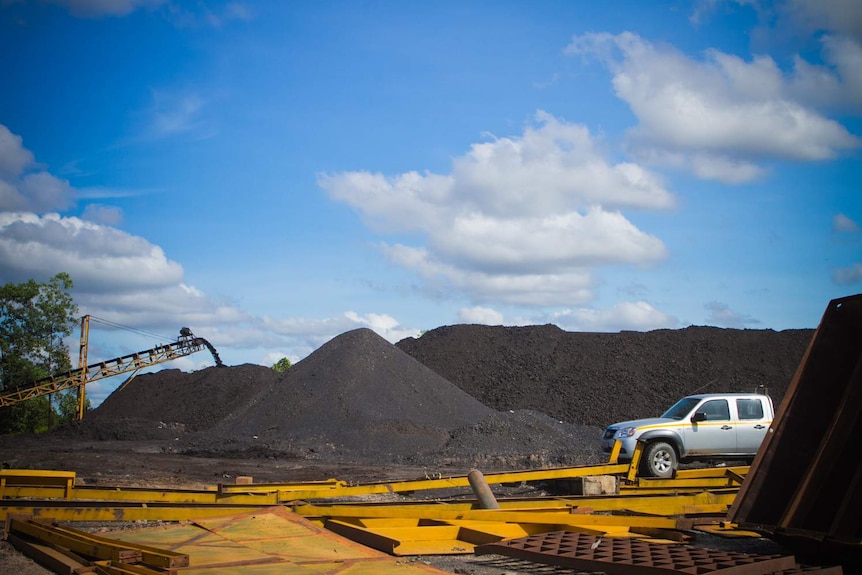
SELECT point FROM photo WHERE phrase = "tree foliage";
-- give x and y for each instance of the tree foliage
(282, 365)
(34, 319)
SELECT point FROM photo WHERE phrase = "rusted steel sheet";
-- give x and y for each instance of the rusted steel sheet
(805, 486)
(634, 557)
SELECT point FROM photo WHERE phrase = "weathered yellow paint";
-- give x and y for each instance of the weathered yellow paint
(654, 504)
(12, 479)
(112, 512)
(270, 541)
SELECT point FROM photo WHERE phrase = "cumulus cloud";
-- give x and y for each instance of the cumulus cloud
(480, 315)
(721, 315)
(14, 158)
(24, 186)
(103, 214)
(841, 16)
(720, 112)
(97, 8)
(98, 257)
(518, 219)
(844, 224)
(630, 315)
(849, 275)
(838, 85)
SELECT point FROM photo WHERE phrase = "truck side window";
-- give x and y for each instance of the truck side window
(749, 408)
(716, 410)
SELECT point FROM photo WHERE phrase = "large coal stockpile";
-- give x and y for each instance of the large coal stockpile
(495, 397)
(356, 395)
(600, 378)
(360, 398)
(169, 403)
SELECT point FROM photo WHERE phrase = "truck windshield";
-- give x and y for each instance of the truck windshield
(681, 408)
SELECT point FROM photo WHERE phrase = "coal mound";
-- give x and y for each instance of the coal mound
(168, 403)
(601, 378)
(356, 395)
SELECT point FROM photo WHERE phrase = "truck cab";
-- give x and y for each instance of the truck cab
(703, 426)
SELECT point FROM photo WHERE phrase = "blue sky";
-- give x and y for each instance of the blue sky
(273, 174)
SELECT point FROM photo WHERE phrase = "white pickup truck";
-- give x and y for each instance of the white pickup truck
(705, 426)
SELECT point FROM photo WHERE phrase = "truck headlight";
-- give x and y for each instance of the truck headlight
(625, 432)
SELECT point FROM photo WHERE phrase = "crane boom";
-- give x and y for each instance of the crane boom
(186, 344)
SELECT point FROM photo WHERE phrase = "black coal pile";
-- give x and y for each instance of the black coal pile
(358, 395)
(169, 403)
(600, 378)
(498, 397)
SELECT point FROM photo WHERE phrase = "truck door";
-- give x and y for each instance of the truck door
(752, 425)
(715, 435)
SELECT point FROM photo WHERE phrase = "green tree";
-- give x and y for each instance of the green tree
(34, 319)
(67, 405)
(282, 365)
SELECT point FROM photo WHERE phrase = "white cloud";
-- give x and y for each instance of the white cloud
(841, 16)
(14, 158)
(480, 315)
(842, 223)
(102, 214)
(724, 169)
(721, 111)
(536, 289)
(849, 275)
(25, 187)
(838, 84)
(630, 315)
(97, 257)
(97, 8)
(177, 112)
(722, 316)
(519, 219)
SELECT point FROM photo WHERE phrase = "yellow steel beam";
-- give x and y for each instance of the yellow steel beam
(11, 479)
(462, 481)
(615, 452)
(88, 546)
(110, 568)
(150, 555)
(706, 502)
(112, 511)
(730, 472)
(53, 559)
(445, 513)
(245, 488)
(632, 470)
(703, 483)
(703, 503)
(137, 494)
(318, 490)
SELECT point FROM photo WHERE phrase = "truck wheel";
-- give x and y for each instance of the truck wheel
(659, 460)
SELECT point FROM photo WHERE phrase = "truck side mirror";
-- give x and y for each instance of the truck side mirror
(698, 416)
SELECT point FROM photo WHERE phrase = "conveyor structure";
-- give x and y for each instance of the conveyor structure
(186, 344)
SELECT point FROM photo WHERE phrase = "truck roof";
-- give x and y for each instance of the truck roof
(729, 393)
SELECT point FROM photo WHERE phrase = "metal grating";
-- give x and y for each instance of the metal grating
(634, 557)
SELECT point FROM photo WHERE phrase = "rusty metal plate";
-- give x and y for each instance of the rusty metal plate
(805, 486)
(634, 557)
